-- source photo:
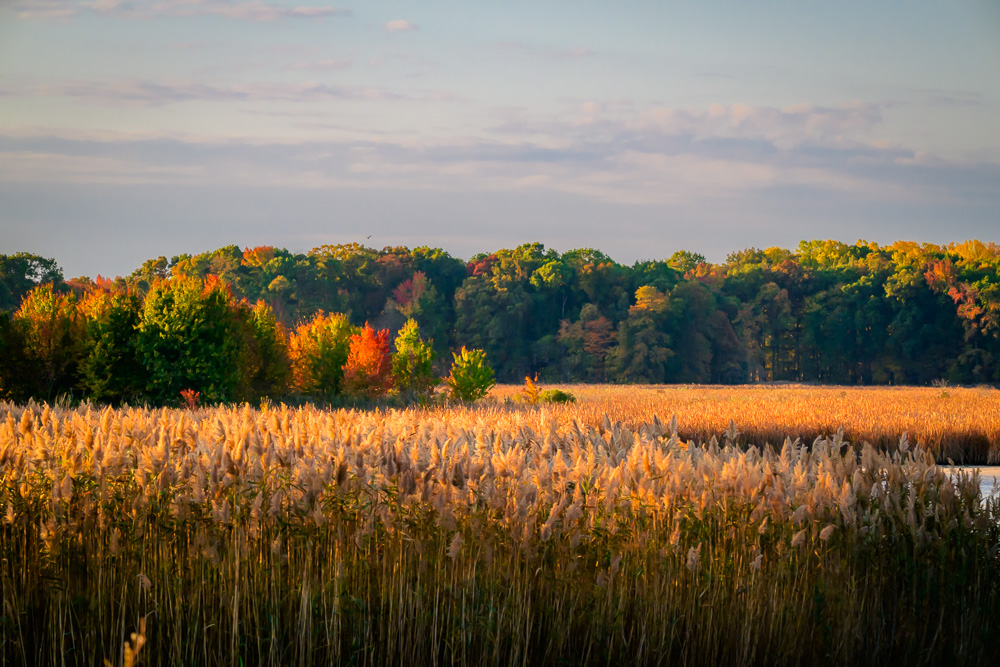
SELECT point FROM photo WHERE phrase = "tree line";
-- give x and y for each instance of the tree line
(831, 312)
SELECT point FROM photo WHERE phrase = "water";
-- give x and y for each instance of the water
(989, 476)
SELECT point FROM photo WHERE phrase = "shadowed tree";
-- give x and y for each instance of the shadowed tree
(22, 272)
(54, 346)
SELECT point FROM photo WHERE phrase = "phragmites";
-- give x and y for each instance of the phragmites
(540, 468)
(487, 526)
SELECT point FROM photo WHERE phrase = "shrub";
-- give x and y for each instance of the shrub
(534, 394)
(471, 376)
(531, 391)
(556, 396)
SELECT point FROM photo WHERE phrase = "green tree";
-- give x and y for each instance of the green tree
(16, 368)
(471, 376)
(265, 364)
(413, 362)
(111, 371)
(319, 350)
(189, 337)
(643, 351)
(22, 272)
(685, 260)
(500, 310)
(151, 272)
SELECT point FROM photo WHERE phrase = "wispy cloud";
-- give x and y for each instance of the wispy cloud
(630, 198)
(784, 126)
(654, 157)
(242, 10)
(546, 51)
(139, 92)
(400, 25)
(327, 64)
(947, 98)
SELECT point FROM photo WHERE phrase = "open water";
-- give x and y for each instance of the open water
(989, 476)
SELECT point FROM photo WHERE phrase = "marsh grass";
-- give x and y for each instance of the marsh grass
(486, 535)
(961, 424)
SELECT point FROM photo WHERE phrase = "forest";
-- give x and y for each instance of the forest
(826, 312)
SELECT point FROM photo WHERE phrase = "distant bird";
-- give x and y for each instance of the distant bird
(368, 237)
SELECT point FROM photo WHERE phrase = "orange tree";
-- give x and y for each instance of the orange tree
(368, 371)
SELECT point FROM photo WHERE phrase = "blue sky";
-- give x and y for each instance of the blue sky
(134, 129)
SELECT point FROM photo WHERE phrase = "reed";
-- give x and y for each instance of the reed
(490, 534)
(958, 423)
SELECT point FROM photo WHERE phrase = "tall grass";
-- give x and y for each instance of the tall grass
(962, 424)
(481, 535)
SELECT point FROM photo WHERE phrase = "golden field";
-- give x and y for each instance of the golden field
(499, 533)
(962, 424)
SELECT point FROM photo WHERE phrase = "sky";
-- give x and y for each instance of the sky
(134, 129)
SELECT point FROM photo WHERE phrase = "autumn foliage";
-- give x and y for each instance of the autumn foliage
(319, 349)
(368, 371)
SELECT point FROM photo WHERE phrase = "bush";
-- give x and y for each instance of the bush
(556, 396)
(534, 394)
(471, 377)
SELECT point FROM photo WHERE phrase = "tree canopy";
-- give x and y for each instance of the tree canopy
(826, 311)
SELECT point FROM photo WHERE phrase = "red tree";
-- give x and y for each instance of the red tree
(368, 371)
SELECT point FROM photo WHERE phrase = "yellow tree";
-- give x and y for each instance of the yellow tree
(53, 334)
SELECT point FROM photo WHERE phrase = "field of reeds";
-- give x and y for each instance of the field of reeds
(961, 424)
(491, 534)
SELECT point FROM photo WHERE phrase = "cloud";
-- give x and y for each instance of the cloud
(544, 50)
(787, 126)
(670, 157)
(141, 92)
(633, 194)
(45, 9)
(400, 25)
(946, 98)
(328, 64)
(242, 10)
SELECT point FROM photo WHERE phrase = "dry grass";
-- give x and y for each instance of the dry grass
(957, 423)
(492, 534)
